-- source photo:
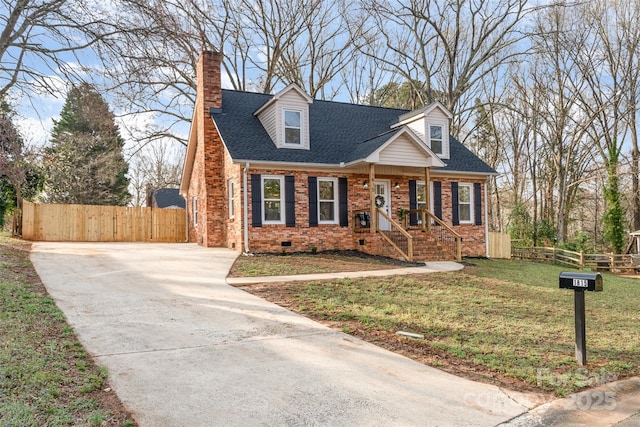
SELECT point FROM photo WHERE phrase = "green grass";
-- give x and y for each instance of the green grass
(306, 263)
(46, 377)
(508, 318)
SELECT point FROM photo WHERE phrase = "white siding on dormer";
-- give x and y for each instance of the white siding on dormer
(293, 101)
(417, 126)
(403, 151)
(268, 118)
(438, 115)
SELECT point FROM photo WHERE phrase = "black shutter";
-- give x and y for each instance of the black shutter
(343, 208)
(413, 201)
(290, 200)
(455, 214)
(313, 201)
(477, 203)
(437, 199)
(256, 200)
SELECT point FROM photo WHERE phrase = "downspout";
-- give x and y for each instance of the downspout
(245, 210)
(186, 218)
(486, 219)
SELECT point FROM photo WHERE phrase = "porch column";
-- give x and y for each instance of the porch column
(426, 221)
(373, 212)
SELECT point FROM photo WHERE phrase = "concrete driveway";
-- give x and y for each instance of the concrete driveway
(183, 348)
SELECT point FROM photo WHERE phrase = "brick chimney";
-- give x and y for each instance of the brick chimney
(208, 79)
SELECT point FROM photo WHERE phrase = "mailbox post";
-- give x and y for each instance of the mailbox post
(579, 283)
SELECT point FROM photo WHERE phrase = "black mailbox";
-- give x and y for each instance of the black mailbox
(581, 281)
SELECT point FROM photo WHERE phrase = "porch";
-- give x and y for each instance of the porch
(419, 236)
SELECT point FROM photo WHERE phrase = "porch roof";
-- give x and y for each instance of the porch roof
(339, 133)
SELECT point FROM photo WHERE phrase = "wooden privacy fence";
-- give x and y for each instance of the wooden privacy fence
(89, 223)
(618, 263)
(499, 245)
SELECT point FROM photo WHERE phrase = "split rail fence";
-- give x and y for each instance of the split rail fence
(617, 263)
(90, 223)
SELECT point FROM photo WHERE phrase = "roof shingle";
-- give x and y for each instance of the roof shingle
(339, 132)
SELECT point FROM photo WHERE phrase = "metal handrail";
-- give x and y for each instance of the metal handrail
(446, 236)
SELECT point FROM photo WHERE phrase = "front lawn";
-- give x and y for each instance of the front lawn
(504, 322)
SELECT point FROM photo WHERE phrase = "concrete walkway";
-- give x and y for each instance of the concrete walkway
(183, 348)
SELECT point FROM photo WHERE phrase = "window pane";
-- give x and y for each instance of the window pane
(292, 119)
(327, 212)
(271, 188)
(436, 132)
(271, 211)
(291, 136)
(421, 194)
(464, 194)
(326, 190)
(436, 146)
(465, 212)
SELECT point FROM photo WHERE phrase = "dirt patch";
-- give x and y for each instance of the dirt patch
(417, 349)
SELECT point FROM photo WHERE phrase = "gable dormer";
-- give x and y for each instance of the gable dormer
(286, 118)
(431, 124)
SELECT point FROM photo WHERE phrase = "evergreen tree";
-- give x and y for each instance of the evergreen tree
(11, 175)
(85, 163)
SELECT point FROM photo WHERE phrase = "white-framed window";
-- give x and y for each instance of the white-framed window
(194, 203)
(231, 199)
(421, 196)
(436, 138)
(465, 203)
(272, 199)
(292, 127)
(327, 200)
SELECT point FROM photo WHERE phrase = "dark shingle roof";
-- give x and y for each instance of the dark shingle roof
(339, 132)
(166, 197)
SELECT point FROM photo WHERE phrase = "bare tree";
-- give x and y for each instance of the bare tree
(446, 48)
(157, 165)
(41, 38)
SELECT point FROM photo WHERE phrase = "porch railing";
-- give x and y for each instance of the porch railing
(396, 236)
(445, 235)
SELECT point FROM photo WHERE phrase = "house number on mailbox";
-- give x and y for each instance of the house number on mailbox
(580, 283)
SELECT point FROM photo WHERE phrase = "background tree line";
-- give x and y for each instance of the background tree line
(547, 95)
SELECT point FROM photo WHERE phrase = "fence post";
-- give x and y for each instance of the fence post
(611, 262)
(581, 260)
(554, 254)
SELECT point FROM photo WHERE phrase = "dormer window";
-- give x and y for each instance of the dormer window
(285, 117)
(435, 137)
(292, 127)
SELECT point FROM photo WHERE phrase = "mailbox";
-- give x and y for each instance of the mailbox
(581, 281)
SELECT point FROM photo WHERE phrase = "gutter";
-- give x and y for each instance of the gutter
(245, 210)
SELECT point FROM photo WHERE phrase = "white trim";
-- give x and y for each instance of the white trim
(277, 96)
(284, 142)
(264, 199)
(387, 185)
(428, 202)
(442, 134)
(231, 198)
(336, 218)
(431, 159)
(245, 207)
(486, 220)
(468, 185)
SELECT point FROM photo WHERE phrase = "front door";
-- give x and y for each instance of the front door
(383, 201)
